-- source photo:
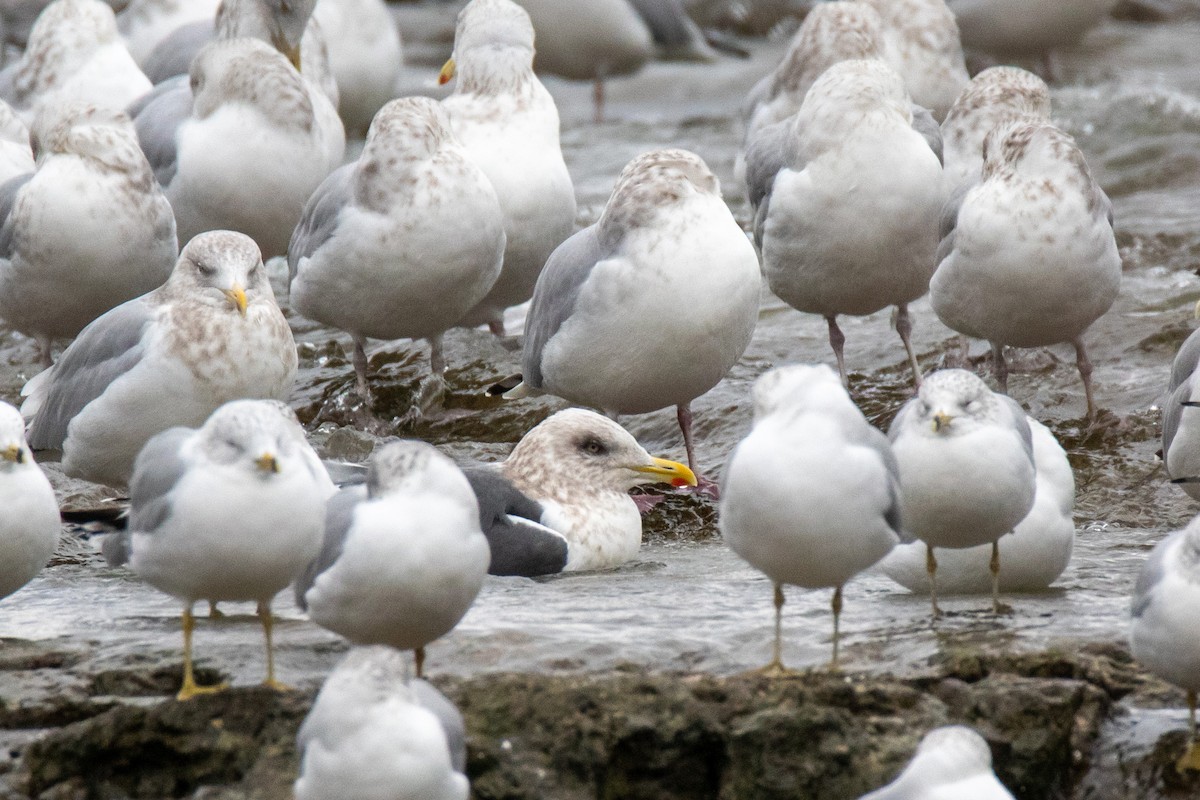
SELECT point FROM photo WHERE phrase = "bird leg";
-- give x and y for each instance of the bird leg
(268, 623)
(496, 326)
(45, 347)
(1084, 365)
(931, 570)
(189, 688)
(836, 605)
(683, 413)
(775, 667)
(360, 369)
(904, 328)
(836, 340)
(214, 612)
(419, 659)
(1000, 366)
(598, 97)
(431, 394)
(994, 567)
(1191, 759)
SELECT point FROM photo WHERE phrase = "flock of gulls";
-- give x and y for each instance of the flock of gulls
(877, 171)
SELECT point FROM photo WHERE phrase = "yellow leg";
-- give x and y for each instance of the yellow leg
(1191, 759)
(775, 667)
(931, 571)
(189, 688)
(419, 658)
(836, 605)
(994, 566)
(268, 623)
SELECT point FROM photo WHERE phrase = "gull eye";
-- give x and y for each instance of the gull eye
(593, 446)
(974, 407)
(207, 270)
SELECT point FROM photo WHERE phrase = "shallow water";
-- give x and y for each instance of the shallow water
(1131, 95)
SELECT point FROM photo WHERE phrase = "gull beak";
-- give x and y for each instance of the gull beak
(292, 51)
(448, 71)
(267, 462)
(14, 453)
(237, 296)
(1196, 310)
(293, 55)
(941, 421)
(671, 472)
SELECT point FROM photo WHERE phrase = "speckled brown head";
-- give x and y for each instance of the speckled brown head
(832, 32)
(65, 33)
(96, 132)
(411, 466)
(222, 268)
(280, 22)
(1031, 149)
(250, 72)
(652, 181)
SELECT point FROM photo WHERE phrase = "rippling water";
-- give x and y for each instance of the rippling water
(1131, 95)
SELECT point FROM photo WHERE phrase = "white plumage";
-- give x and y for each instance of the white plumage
(951, 763)
(29, 524)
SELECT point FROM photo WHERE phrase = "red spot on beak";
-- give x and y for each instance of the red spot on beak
(677, 482)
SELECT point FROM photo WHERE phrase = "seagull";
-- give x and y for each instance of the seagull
(811, 496)
(848, 195)
(1180, 437)
(401, 243)
(365, 57)
(66, 257)
(1163, 635)
(966, 465)
(1034, 555)
(369, 735)
(1028, 258)
(229, 511)
(30, 525)
(403, 557)
(951, 763)
(210, 334)
(16, 156)
(508, 123)
(560, 501)
(666, 267)
(1014, 28)
(144, 23)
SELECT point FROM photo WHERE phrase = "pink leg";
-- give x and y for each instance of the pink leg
(837, 340)
(904, 328)
(1084, 365)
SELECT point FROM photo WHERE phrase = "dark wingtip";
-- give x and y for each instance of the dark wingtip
(504, 385)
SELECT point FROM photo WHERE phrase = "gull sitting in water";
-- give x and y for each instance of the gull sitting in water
(401, 243)
(966, 465)
(811, 496)
(403, 557)
(508, 124)
(560, 501)
(210, 334)
(1163, 635)
(951, 763)
(651, 306)
(29, 526)
(1028, 257)
(231, 511)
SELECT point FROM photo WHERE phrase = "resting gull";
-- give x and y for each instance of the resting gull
(369, 735)
(651, 306)
(810, 497)
(247, 151)
(229, 511)
(365, 57)
(87, 231)
(1163, 636)
(951, 763)
(403, 557)
(1034, 555)
(560, 501)
(848, 195)
(508, 123)
(29, 526)
(401, 243)
(1180, 437)
(210, 334)
(144, 23)
(1028, 257)
(966, 465)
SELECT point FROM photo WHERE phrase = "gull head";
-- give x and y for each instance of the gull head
(261, 437)
(225, 267)
(14, 452)
(408, 466)
(953, 401)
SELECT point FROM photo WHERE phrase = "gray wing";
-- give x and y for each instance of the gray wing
(555, 294)
(949, 220)
(320, 217)
(104, 351)
(157, 116)
(870, 436)
(1021, 423)
(1185, 360)
(924, 124)
(429, 698)
(8, 198)
(768, 152)
(511, 521)
(173, 55)
(339, 516)
(1172, 415)
(156, 471)
(672, 29)
(1152, 572)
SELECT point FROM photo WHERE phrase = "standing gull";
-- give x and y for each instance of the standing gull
(29, 526)
(1013, 28)
(811, 496)
(651, 306)
(231, 511)
(951, 763)
(966, 464)
(508, 123)
(402, 242)
(210, 334)
(1180, 436)
(1163, 636)
(403, 557)
(560, 501)
(1029, 257)
(848, 223)
(68, 256)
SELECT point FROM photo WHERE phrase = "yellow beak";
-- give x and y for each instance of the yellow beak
(267, 462)
(671, 472)
(237, 296)
(13, 453)
(448, 70)
(941, 421)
